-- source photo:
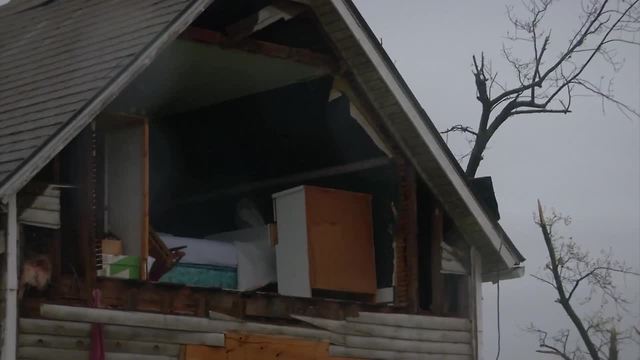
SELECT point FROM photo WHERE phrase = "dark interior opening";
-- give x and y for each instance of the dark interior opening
(200, 159)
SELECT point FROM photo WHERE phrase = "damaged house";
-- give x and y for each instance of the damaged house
(229, 179)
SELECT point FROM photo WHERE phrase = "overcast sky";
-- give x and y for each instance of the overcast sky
(586, 164)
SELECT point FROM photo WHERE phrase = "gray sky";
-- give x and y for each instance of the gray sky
(586, 164)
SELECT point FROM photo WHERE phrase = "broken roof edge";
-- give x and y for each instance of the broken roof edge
(406, 100)
(47, 151)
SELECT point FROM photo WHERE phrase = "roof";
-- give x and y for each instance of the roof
(63, 61)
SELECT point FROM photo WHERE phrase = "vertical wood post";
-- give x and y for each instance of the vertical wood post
(144, 250)
(475, 303)
(437, 283)
(87, 206)
(399, 246)
(11, 292)
(55, 248)
(411, 212)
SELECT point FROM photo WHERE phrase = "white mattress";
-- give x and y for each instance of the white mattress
(219, 252)
(247, 250)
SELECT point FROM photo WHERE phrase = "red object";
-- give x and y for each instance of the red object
(97, 338)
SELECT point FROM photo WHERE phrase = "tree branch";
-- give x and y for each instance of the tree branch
(575, 319)
(541, 111)
(460, 128)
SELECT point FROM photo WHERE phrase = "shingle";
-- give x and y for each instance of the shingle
(57, 57)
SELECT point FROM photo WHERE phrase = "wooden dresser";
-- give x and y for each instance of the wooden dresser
(325, 241)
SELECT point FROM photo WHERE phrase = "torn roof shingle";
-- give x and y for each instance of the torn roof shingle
(59, 62)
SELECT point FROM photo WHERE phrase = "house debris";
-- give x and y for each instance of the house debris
(240, 179)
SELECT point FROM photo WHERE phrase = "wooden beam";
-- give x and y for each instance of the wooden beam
(400, 273)
(291, 179)
(9, 345)
(298, 55)
(55, 250)
(144, 248)
(475, 299)
(437, 283)
(84, 203)
(279, 10)
(411, 212)
(180, 300)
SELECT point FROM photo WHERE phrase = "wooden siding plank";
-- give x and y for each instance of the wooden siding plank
(42, 201)
(43, 353)
(413, 321)
(39, 217)
(423, 347)
(175, 322)
(390, 332)
(391, 355)
(115, 332)
(84, 343)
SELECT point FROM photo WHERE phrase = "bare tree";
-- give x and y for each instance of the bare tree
(546, 83)
(569, 267)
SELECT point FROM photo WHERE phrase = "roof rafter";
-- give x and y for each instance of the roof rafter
(302, 56)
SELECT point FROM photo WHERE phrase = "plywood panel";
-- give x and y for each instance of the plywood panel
(242, 346)
(201, 352)
(248, 347)
(341, 254)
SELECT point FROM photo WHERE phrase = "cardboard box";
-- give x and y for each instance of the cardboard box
(120, 266)
(112, 247)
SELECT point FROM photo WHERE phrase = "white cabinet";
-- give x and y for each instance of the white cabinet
(325, 242)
